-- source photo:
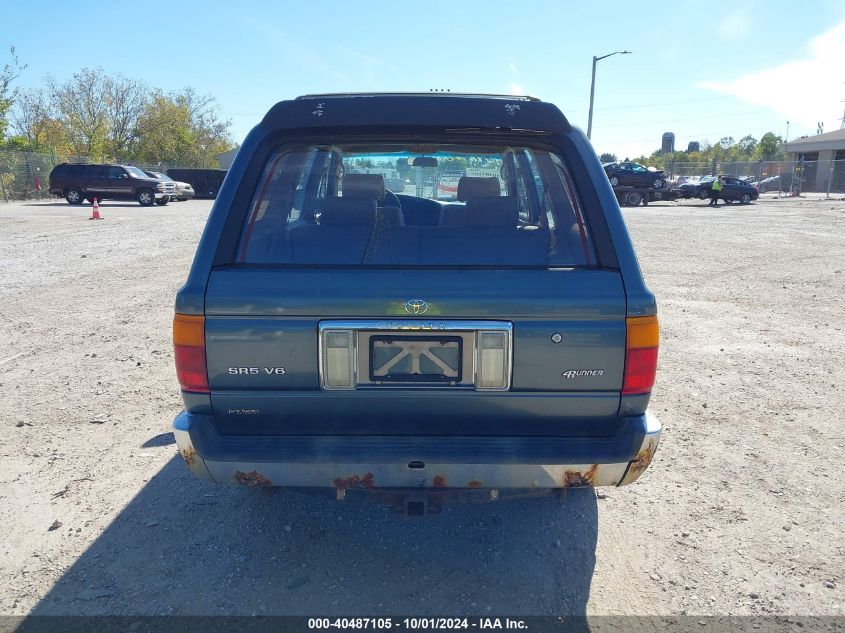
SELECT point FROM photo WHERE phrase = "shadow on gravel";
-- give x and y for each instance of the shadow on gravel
(162, 439)
(187, 547)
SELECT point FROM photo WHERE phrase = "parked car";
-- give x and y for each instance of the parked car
(176, 189)
(697, 187)
(184, 191)
(330, 337)
(782, 182)
(77, 182)
(204, 182)
(634, 175)
(169, 186)
(733, 190)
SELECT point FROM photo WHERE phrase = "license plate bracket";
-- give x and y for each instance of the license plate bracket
(416, 359)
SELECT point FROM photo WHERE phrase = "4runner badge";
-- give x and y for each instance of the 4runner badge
(577, 373)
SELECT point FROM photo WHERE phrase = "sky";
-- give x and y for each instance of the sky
(700, 70)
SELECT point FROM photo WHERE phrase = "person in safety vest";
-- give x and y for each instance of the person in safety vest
(715, 191)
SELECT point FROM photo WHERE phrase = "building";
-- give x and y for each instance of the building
(225, 159)
(824, 158)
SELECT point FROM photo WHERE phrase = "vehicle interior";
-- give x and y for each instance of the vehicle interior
(446, 206)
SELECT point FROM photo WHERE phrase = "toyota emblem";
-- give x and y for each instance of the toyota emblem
(416, 306)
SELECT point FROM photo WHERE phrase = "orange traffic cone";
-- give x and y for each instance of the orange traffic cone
(95, 212)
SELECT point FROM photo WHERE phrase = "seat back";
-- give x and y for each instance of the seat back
(489, 236)
(344, 228)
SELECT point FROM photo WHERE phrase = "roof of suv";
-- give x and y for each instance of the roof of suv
(443, 110)
(336, 95)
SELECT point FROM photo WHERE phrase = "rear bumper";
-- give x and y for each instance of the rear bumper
(434, 462)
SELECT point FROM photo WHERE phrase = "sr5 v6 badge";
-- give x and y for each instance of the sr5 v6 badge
(253, 371)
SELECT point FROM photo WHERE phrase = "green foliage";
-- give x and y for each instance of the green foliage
(769, 147)
(607, 158)
(747, 149)
(114, 118)
(10, 72)
(453, 163)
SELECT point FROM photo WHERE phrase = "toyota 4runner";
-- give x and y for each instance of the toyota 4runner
(481, 329)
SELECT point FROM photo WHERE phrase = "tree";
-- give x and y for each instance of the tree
(112, 117)
(31, 116)
(747, 144)
(82, 106)
(126, 100)
(769, 147)
(453, 163)
(607, 158)
(10, 72)
(209, 133)
(164, 132)
(181, 128)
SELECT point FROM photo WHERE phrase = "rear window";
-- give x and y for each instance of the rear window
(432, 206)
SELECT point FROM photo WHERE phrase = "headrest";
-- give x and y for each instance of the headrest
(472, 187)
(370, 186)
(391, 216)
(346, 211)
(493, 211)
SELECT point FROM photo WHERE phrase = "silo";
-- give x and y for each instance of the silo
(668, 144)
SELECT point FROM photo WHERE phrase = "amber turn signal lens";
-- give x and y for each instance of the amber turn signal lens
(189, 352)
(189, 329)
(641, 355)
(642, 332)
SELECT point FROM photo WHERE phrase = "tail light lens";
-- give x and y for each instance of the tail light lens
(640, 354)
(338, 359)
(492, 360)
(189, 352)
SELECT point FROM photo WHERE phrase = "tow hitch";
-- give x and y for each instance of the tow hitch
(416, 506)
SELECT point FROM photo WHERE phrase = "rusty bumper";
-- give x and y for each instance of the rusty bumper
(433, 463)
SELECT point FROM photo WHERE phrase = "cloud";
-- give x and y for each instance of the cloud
(512, 67)
(804, 90)
(734, 26)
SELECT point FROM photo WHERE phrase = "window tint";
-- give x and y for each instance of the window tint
(378, 206)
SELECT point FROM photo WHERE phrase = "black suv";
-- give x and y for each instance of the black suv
(635, 175)
(76, 182)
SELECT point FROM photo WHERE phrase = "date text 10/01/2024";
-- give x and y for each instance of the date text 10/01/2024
(418, 624)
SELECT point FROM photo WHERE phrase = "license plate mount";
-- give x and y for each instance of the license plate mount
(414, 359)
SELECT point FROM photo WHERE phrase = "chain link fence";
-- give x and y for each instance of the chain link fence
(26, 175)
(789, 177)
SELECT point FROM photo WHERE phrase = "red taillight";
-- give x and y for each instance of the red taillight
(189, 352)
(640, 355)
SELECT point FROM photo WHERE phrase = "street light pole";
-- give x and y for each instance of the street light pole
(593, 87)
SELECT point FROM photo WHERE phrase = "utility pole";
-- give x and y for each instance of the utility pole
(593, 87)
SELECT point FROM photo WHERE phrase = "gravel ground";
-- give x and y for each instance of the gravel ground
(741, 512)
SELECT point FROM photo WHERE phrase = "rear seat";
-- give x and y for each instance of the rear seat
(469, 187)
(340, 237)
(488, 233)
(489, 236)
(394, 242)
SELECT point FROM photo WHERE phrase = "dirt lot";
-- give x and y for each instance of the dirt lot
(741, 512)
